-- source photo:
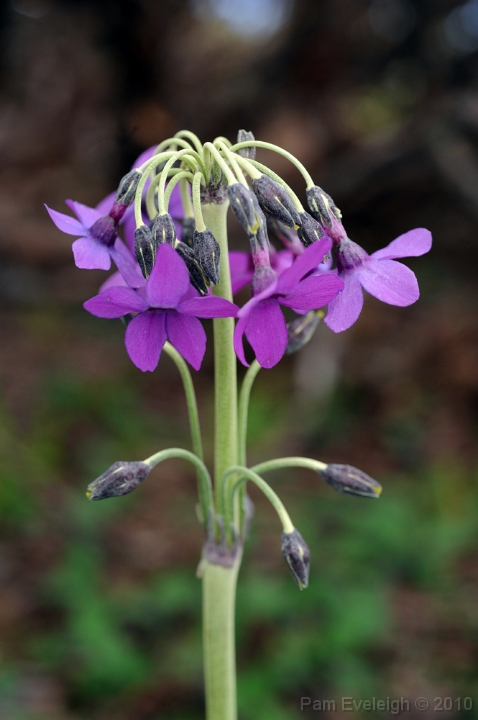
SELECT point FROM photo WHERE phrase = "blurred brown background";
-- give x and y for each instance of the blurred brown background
(99, 606)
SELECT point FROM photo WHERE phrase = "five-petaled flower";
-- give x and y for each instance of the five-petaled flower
(167, 309)
(261, 319)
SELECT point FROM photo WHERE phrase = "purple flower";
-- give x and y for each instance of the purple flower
(242, 267)
(261, 319)
(166, 311)
(379, 274)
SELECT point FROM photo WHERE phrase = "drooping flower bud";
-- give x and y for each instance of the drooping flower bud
(246, 208)
(163, 230)
(120, 479)
(127, 187)
(297, 556)
(104, 231)
(309, 231)
(275, 201)
(187, 234)
(196, 274)
(322, 206)
(246, 136)
(351, 481)
(144, 249)
(208, 254)
(301, 329)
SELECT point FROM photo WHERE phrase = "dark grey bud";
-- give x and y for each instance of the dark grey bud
(163, 230)
(104, 231)
(309, 231)
(127, 187)
(301, 329)
(144, 249)
(275, 201)
(120, 479)
(208, 254)
(297, 556)
(351, 481)
(196, 274)
(242, 204)
(187, 234)
(246, 136)
(322, 206)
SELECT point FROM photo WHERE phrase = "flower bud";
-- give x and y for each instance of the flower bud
(322, 206)
(246, 208)
(127, 187)
(196, 274)
(120, 479)
(187, 234)
(163, 230)
(275, 201)
(301, 329)
(208, 254)
(144, 249)
(351, 481)
(297, 556)
(246, 136)
(104, 231)
(309, 231)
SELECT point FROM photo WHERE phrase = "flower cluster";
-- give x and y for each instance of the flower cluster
(169, 263)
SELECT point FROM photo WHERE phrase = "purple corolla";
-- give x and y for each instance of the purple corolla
(379, 274)
(261, 319)
(166, 310)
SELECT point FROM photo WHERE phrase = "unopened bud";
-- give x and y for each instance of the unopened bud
(309, 231)
(127, 187)
(322, 206)
(120, 479)
(351, 481)
(301, 329)
(187, 234)
(163, 230)
(196, 274)
(246, 136)
(297, 556)
(246, 208)
(104, 231)
(275, 201)
(144, 249)
(208, 254)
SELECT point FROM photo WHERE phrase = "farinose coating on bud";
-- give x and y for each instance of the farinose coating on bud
(104, 231)
(196, 274)
(144, 249)
(187, 234)
(351, 481)
(322, 206)
(163, 230)
(120, 479)
(275, 201)
(301, 329)
(297, 556)
(127, 187)
(208, 253)
(309, 231)
(246, 136)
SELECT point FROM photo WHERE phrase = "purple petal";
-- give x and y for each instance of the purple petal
(145, 155)
(310, 258)
(208, 307)
(175, 205)
(188, 337)
(87, 215)
(389, 281)
(115, 280)
(66, 223)
(115, 302)
(105, 205)
(410, 244)
(266, 331)
(241, 269)
(90, 255)
(169, 279)
(130, 226)
(238, 344)
(281, 260)
(144, 339)
(313, 292)
(344, 310)
(127, 265)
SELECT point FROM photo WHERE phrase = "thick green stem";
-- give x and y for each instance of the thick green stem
(219, 592)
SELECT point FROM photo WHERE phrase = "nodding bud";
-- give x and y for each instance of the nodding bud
(297, 556)
(127, 187)
(208, 254)
(351, 481)
(187, 234)
(246, 208)
(104, 231)
(246, 136)
(163, 230)
(120, 479)
(196, 274)
(309, 231)
(144, 249)
(301, 329)
(322, 206)
(275, 201)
